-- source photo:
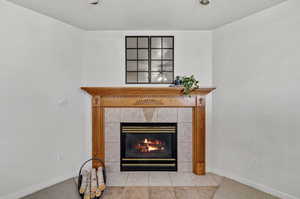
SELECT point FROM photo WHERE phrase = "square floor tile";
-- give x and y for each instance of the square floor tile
(159, 179)
(136, 193)
(116, 179)
(206, 180)
(113, 193)
(162, 193)
(181, 179)
(138, 179)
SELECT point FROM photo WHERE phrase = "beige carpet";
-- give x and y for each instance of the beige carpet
(230, 189)
(63, 190)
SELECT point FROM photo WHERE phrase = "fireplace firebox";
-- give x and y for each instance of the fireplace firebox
(148, 147)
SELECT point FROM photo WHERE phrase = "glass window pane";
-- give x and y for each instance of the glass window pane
(168, 77)
(143, 54)
(143, 42)
(156, 42)
(167, 66)
(131, 54)
(132, 77)
(167, 42)
(155, 54)
(131, 42)
(155, 65)
(143, 77)
(131, 66)
(161, 59)
(167, 54)
(143, 66)
(156, 77)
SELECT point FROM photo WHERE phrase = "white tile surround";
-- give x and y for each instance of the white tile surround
(184, 176)
(113, 117)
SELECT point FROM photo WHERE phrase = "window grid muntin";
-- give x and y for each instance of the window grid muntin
(149, 60)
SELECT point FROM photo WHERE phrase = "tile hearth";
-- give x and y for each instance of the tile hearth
(162, 179)
(159, 192)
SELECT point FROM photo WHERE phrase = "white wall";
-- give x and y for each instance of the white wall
(40, 65)
(104, 56)
(256, 69)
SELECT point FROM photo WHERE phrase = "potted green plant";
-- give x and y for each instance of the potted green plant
(189, 84)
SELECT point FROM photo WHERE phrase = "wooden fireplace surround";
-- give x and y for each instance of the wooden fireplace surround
(148, 97)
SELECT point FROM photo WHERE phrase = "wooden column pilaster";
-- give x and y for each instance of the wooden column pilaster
(199, 136)
(98, 131)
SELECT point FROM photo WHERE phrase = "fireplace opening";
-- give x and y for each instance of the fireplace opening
(148, 147)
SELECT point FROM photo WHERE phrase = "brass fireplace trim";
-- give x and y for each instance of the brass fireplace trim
(153, 127)
(149, 165)
(148, 132)
(148, 159)
(139, 129)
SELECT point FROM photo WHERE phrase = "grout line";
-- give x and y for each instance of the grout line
(172, 184)
(126, 179)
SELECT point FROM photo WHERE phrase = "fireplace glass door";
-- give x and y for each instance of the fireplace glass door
(148, 146)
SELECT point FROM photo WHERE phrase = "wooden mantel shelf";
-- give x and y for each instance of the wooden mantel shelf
(146, 97)
(123, 91)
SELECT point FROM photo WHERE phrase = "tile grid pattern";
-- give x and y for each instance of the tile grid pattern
(159, 192)
(162, 179)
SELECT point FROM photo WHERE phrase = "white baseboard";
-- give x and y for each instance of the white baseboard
(250, 183)
(37, 187)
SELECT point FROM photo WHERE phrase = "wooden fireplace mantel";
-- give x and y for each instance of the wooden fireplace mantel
(125, 91)
(143, 97)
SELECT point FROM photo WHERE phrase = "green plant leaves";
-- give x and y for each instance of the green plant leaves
(189, 84)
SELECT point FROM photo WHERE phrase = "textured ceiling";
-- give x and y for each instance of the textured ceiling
(147, 14)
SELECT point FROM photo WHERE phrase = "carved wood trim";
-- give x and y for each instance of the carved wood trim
(147, 101)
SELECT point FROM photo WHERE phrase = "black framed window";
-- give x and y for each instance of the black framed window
(149, 59)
